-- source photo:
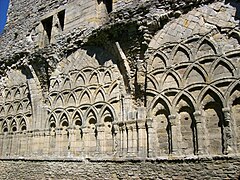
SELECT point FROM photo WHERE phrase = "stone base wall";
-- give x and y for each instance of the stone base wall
(176, 169)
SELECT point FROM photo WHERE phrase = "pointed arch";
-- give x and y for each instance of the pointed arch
(80, 79)
(9, 95)
(195, 73)
(77, 119)
(206, 47)
(14, 126)
(187, 97)
(71, 99)
(234, 104)
(107, 78)
(52, 121)
(5, 127)
(164, 104)
(214, 93)
(99, 95)
(152, 83)
(159, 60)
(10, 109)
(232, 88)
(181, 53)
(66, 83)
(23, 125)
(91, 115)
(55, 84)
(107, 111)
(17, 94)
(59, 102)
(94, 77)
(64, 120)
(20, 107)
(171, 80)
(212, 105)
(85, 97)
(222, 68)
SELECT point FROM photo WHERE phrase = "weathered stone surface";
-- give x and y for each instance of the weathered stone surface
(120, 89)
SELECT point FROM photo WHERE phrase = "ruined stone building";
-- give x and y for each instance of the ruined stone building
(120, 89)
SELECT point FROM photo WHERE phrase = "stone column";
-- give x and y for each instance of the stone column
(150, 136)
(101, 139)
(200, 133)
(142, 139)
(135, 139)
(124, 141)
(132, 138)
(58, 142)
(52, 142)
(71, 142)
(116, 140)
(175, 135)
(85, 149)
(121, 129)
(227, 131)
(129, 139)
(46, 144)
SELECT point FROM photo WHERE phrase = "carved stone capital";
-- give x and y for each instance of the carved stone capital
(197, 116)
(172, 119)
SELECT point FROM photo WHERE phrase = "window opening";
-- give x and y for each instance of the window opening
(108, 4)
(61, 17)
(47, 25)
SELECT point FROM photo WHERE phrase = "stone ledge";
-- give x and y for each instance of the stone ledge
(131, 160)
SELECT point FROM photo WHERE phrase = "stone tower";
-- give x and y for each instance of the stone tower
(102, 82)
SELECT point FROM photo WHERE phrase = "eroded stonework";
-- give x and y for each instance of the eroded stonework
(118, 81)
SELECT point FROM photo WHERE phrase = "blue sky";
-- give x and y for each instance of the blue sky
(3, 13)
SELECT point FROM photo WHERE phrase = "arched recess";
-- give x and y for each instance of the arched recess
(66, 83)
(10, 110)
(195, 74)
(55, 84)
(20, 108)
(52, 121)
(85, 97)
(235, 112)
(5, 127)
(180, 54)
(2, 111)
(185, 106)
(80, 80)
(108, 142)
(206, 48)
(222, 69)
(22, 125)
(94, 78)
(107, 77)
(59, 101)
(171, 80)
(159, 61)
(214, 119)
(13, 126)
(92, 136)
(71, 99)
(77, 119)
(8, 96)
(162, 127)
(64, 120)
(17, 94)
(99, 95)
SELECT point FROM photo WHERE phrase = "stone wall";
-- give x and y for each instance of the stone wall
(189, 169)
(148, 82)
